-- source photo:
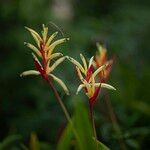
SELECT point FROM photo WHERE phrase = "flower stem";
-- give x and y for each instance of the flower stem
(93, 124)
(60, 101)
(114, 121)
(63, 108)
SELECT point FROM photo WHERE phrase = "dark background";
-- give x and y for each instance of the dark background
(123, 26)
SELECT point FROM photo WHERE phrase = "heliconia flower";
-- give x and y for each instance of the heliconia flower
(88, 77)
(100, 60)
(44, 49)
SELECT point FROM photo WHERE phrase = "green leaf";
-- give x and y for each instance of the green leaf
(34, 142)
(83, 127)
(10, 142)
(101, 146)
(66, 138)
(45, 146)
(84, 130)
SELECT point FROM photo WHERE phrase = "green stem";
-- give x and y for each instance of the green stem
(93, 125)
(63, 108)
(114, 121)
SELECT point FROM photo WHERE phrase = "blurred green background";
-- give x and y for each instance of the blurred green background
(27, 104)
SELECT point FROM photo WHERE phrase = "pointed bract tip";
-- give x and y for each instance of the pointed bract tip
(98, 44)
(25, 43)
(21, 75)
(43, 25)
(81, 54)
(33, 56)
(67, 93)
(67, 39)
(114, 89)
(56, 32)
(26, 27)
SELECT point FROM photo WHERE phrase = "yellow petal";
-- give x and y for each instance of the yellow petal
(89, 92)
(80, 75)
(56, 55)
(100, 48)
(93, 82)
(76, 63)
(104, 85)
(91, 61)
(29, 72)
(33, 48)
(61, 83)
(94, 64)
(84, 62)
(51, 38)
(80, 88)
(60, 60)
(35, 35)
(52, 57)
(44, 33)
(34, 56)
(53, 45)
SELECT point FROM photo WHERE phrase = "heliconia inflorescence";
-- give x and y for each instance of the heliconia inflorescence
(45, 52)
(87, 76)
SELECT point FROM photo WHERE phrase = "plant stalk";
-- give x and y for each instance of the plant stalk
(114, 121)
(93, 124)
(64, 109)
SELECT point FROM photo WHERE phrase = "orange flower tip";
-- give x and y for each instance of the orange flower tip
(110, 62)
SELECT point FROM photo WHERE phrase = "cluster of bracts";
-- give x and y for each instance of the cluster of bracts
(93, 74)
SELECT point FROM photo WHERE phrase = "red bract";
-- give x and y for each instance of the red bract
(41, 70)
(89, 73)
(94, 97)
(96, 93)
